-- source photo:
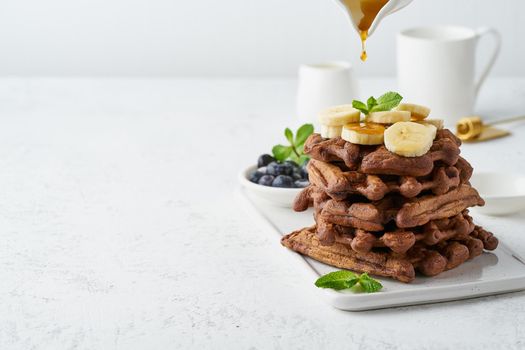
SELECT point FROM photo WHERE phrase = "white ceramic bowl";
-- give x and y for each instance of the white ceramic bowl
(282, 197)
(503, 193)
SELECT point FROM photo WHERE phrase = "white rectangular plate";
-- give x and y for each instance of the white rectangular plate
(500, 271)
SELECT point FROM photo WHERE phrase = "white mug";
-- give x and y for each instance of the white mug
(324, 85)
(436, 68)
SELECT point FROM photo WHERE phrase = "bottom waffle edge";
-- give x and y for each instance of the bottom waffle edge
(427, 260)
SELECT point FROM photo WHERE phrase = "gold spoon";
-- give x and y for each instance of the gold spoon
(470, 128)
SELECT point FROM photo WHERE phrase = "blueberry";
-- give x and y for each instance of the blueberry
(301, 183)
(297, 174)
(262, 170)
(304, 172)
(256, 175)
(292, 163)
(283, 181)
(286, 169)
(266, 180)
(264, 160)
(271, 169)
(275, 169)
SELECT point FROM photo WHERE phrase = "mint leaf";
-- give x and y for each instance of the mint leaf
(389, 97)
(289, 135)
(345, 279)
(300, 149)
(371, 103)
(369, 284)
(295, 150)
(303, 159)
(360, 106)
(281, 153)
(337, 280)
(302, 134)
(294, 157)
(386, 102)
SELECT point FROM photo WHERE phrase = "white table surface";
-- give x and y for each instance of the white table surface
(119, 229)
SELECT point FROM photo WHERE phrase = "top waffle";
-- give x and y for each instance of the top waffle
(378, 160)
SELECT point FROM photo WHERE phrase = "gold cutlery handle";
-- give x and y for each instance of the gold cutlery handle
(469, 128)
(508, 120)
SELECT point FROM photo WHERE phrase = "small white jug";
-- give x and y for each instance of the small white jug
(324, 85)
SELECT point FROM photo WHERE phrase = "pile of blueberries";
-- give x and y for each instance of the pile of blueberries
(288, 174)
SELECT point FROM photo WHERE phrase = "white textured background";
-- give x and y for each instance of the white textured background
(222, 38)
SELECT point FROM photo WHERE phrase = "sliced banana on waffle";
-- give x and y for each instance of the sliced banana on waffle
(409, 139)
(433, 130)
(388, 117)
(438, 123)
(363, 133)
(339, 115)
(417, 112)
(330, 132)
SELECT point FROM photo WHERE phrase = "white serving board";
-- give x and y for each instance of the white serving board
(500, 271)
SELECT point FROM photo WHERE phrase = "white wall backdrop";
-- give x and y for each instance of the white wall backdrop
(223, 38)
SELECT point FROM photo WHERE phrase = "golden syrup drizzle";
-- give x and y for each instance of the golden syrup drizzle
(364, 36)
(366, 128)
(363, 14)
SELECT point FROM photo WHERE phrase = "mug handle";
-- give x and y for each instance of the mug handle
(497, 39)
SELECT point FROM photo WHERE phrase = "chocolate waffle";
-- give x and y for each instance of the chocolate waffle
(373, 216)
(378, 160)
(429, 261)
(340, 184)
(459, 227)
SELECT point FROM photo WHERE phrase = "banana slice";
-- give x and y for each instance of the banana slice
(417, 112)
(363, 133)
(339, 115)
(331, 132)
(409, 139)
(388, 117)
(438, 123)
(433, 130)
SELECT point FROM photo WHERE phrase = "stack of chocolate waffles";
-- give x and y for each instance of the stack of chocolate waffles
(389, 215)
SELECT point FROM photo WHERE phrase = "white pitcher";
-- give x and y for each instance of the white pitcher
(390, 7)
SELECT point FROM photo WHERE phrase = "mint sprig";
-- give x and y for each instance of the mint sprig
(385, 102)
(369, 284)
(294, 151)
(338, 280)
(345, 279)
